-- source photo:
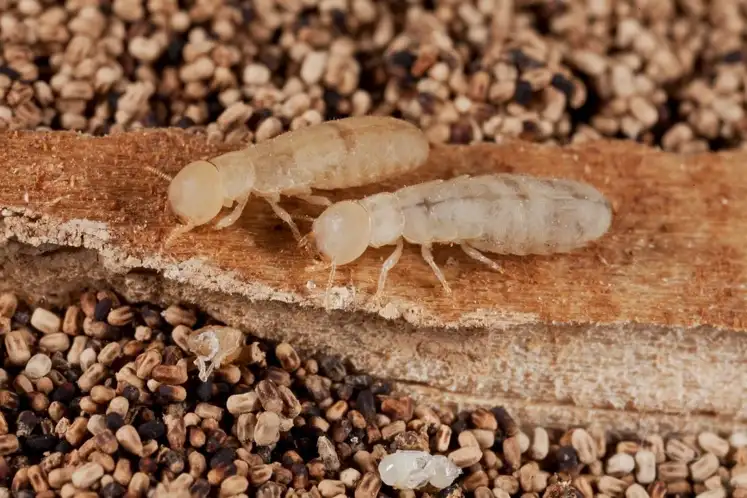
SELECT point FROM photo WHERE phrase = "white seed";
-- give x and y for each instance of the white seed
(646, 462)
(38, 366)
(413, 469)
(620, 464)
(86, 475)
(713, 443)
(45, 321)
(540, 444)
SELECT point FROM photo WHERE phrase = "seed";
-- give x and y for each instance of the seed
(17, 348)
(328, 454)
(540, 444)
(243, 403)
(712, 443)
(584, 445)
(612, 486)
(129, 438)
(267, 430)
(38, 366)
(106, 442)
(8, 444)
(368, 486)
(330, 488)
(45, 321)
(673, 471)
(269, 396)
(86, 475)
(288, 357)
(646, 462)
(620, 464)
(677, 450)
(234, 485)
(176, 315)
(92, 376)
(466, 456)
(120, 317)
(109, 353)
(704, 467)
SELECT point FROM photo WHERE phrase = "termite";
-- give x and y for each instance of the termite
(344, 153)
(214, 346)
(500, 213)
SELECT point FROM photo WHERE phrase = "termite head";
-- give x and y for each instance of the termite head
(196, 193)
(342, 232)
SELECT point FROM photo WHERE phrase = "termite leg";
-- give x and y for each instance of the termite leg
(316, 200)
(331, 279)
(478, 256)
(234, 215)
(388, 265)
(425, 251)
(285, 216)
(177, 232)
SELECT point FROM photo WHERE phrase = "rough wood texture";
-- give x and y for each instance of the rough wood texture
(643, 330)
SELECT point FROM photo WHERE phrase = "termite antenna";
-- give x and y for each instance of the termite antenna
(306, 244)
(159, 173)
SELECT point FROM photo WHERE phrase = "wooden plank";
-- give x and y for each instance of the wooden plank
(670, 275)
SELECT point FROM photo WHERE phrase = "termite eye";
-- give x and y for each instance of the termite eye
(196, 194)
(342, 232)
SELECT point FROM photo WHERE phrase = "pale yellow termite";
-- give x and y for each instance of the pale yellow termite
(345, 153)
(500, 213)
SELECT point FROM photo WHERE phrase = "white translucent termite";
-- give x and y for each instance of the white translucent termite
(411, 469)
(500, 213)
(214, 346)
(344, 153)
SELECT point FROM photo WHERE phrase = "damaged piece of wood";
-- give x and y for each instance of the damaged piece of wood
(645, 326)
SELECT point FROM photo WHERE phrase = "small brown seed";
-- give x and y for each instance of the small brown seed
(92, 376)
(267, 430)
(176, 315)
(704, 467)
(243, 403)
(8, 444)
(673, 471)
(679, 451)
(330, 488)
(130, 440)
(368, 486)
(233, 486)
(269, 396)
(328, 454)
(288, 357)
(106, 442)
(86, 475)
(16, 347)
(466, 456)
(584, 445)
(120, 317)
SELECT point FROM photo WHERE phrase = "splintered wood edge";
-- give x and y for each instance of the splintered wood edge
(616, 278)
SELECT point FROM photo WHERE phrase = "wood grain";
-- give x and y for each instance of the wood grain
(640, 322)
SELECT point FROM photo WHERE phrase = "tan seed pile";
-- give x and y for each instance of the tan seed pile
(669, 73)
(117, 409)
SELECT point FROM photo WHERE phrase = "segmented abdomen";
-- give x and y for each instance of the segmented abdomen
(338, 154)
(505, 214)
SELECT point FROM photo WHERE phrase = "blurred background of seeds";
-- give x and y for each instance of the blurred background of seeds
(669, 73)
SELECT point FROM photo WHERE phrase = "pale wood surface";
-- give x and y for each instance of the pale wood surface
(616, 326)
